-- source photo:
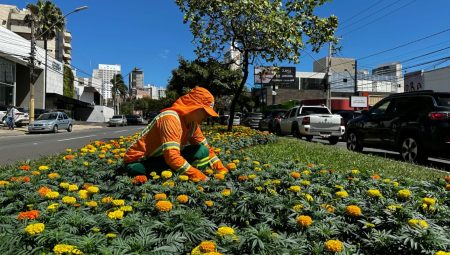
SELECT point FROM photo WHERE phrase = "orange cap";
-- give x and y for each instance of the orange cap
(197, 98)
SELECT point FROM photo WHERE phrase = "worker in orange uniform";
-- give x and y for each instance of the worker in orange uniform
(174, 140)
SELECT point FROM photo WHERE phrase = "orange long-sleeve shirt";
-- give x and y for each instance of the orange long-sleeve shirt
(167, 135)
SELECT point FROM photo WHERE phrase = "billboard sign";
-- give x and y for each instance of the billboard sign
(413, 81)
(264, 74)
(357, 101)
(284, 78)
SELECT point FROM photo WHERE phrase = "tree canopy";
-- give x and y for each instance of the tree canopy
(267, 29)
(213, 75)
(49, 19)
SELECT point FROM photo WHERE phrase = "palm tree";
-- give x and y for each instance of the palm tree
(118, 88)
(50, 21)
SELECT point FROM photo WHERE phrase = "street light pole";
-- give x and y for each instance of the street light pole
(33, 53)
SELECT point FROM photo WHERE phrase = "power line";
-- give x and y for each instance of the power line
(361, 12)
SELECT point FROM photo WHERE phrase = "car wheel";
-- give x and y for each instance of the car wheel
(412, 151)
(55, 129)
(333, 140)
(353, 142)
(278, 130)
(295, 132)
(69, 129)
(309, 138)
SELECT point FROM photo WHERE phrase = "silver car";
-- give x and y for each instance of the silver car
(118, 120)
(51, 122)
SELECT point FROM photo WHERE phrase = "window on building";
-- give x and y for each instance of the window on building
(311, 83)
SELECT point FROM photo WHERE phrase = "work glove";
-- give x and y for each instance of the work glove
(195, 174)
(220, 168)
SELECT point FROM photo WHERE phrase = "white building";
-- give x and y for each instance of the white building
(106, 73)
(437, 80)
(233, 56)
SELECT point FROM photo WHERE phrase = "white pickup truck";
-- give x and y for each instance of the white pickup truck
(312, 120)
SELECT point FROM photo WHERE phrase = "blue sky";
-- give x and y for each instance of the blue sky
(151, 35)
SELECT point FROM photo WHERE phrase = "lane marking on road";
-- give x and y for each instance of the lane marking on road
(73, 138)
(120, 131)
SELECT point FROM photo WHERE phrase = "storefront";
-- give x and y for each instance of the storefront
(7, 82)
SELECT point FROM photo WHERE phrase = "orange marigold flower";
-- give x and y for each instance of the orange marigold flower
(160, 196)
(231, 166)
(207, 246)
(24, 167)
(328, 207)
(163, 206)
(21, 179)
(31, 215)
(69, 157)
(140, 179)
(209, 203)
(447, 187)
(376, 177)
(353, 210)
(333, 246)
(295, 175)
(220, 177)
(304, 221)
(447, 178)
(242, 178)
(183, 199)
(43, 191)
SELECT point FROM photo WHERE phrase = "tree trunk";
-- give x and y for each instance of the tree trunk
(237, 94)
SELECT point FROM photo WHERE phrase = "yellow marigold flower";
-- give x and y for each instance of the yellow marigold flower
(328, 207)
(53, 207)
(308, 197)
(61, 249)
(306, 172)
(393, 208)
(223, 231)
(353, 210)
(418, 223)
(111, 235)
(209, 203)
(342, 194)
(101, 156)
(369, 225)
(256, 163)
(295, 175)
(183, 199)
(266, 165)
(272, 192)
(304, 221)
(236, 161)
(447, 187)
(226, 192)
(163, 206)
(442, 253)
(53, 176)
(169, 183)
(207, 246)
(160, 196)
(85, 163)
(64, 185)
(209, 171)
(429, 201)
(200, 188)
(297, 208)
(95, 230)
(374, 193)
(276, 182)
(83, 194)
(183, 178)
(4, 183)
(69, 200)
(93, 189)
(252, 176)
(91, 204)
(72, 187)
(126, 208)
(166, 174)
(43, 168)
(395, 184)
(107, 200)
(333, 246)
(305, 183)
(35, 228)
(404, 193)
(257, 169)
(219, 176)
(231, 166)
(35, 173)
(68, 150)
(355, 171)
(259, 188)
(117, 214)
(52, 195)
(117, 202)
(294, 188)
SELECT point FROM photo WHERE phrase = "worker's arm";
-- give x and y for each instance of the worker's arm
(215, 162)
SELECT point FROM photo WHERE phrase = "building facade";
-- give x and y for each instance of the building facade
(105, 73)
(437, 80)
(136, 81)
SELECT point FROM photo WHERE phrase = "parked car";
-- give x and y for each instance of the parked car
(151, 115)
(135, 120)
(51, 122)
(117, 120)
(347, 116)
(3, 111)
(415, 124)
(21, 117)
(252, 119)
(223, 119)
(271, 119)
(312, 120)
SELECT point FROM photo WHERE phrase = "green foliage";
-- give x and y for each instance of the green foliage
(49, 19)
(217, 77)
(68, 89)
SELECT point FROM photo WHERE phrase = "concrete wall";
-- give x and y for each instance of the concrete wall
(100, 114)
(437, 80)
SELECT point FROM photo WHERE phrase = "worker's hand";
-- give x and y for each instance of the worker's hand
(221, 169)
(195, 174)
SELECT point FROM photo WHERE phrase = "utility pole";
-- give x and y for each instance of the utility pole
(327, 80)
(31, 66)
(356, 77)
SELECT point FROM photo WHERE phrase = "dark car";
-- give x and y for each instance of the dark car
(252, 119)
(346, 117)
(151, 115)
(416, 124)
(271, 119)
(135, 120)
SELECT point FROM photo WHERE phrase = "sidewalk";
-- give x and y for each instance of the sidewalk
(78, 125)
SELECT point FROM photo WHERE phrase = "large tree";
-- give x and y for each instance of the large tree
(118, 89)
(213, 75)
(267, 29)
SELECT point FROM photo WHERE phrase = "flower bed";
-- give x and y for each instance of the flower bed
(74, 204)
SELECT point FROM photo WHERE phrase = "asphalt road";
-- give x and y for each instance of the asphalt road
(33, 146)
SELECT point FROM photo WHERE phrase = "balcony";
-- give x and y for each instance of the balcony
(67, 36)
(67, 55)
(67, 46)
(18, 16)
(20, 29)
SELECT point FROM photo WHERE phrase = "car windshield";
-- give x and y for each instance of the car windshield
(48, 116)
(443, 100)
(315, 110)
(117, 117)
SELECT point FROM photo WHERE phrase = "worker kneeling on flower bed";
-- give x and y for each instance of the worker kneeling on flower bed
(174, 139)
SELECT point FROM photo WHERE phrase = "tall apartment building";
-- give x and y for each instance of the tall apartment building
(105, 73)
(136, 81)
(233, 56)
(59, 47)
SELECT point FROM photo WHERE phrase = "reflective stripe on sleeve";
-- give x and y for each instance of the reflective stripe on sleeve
(184, 167)
(214, 160)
